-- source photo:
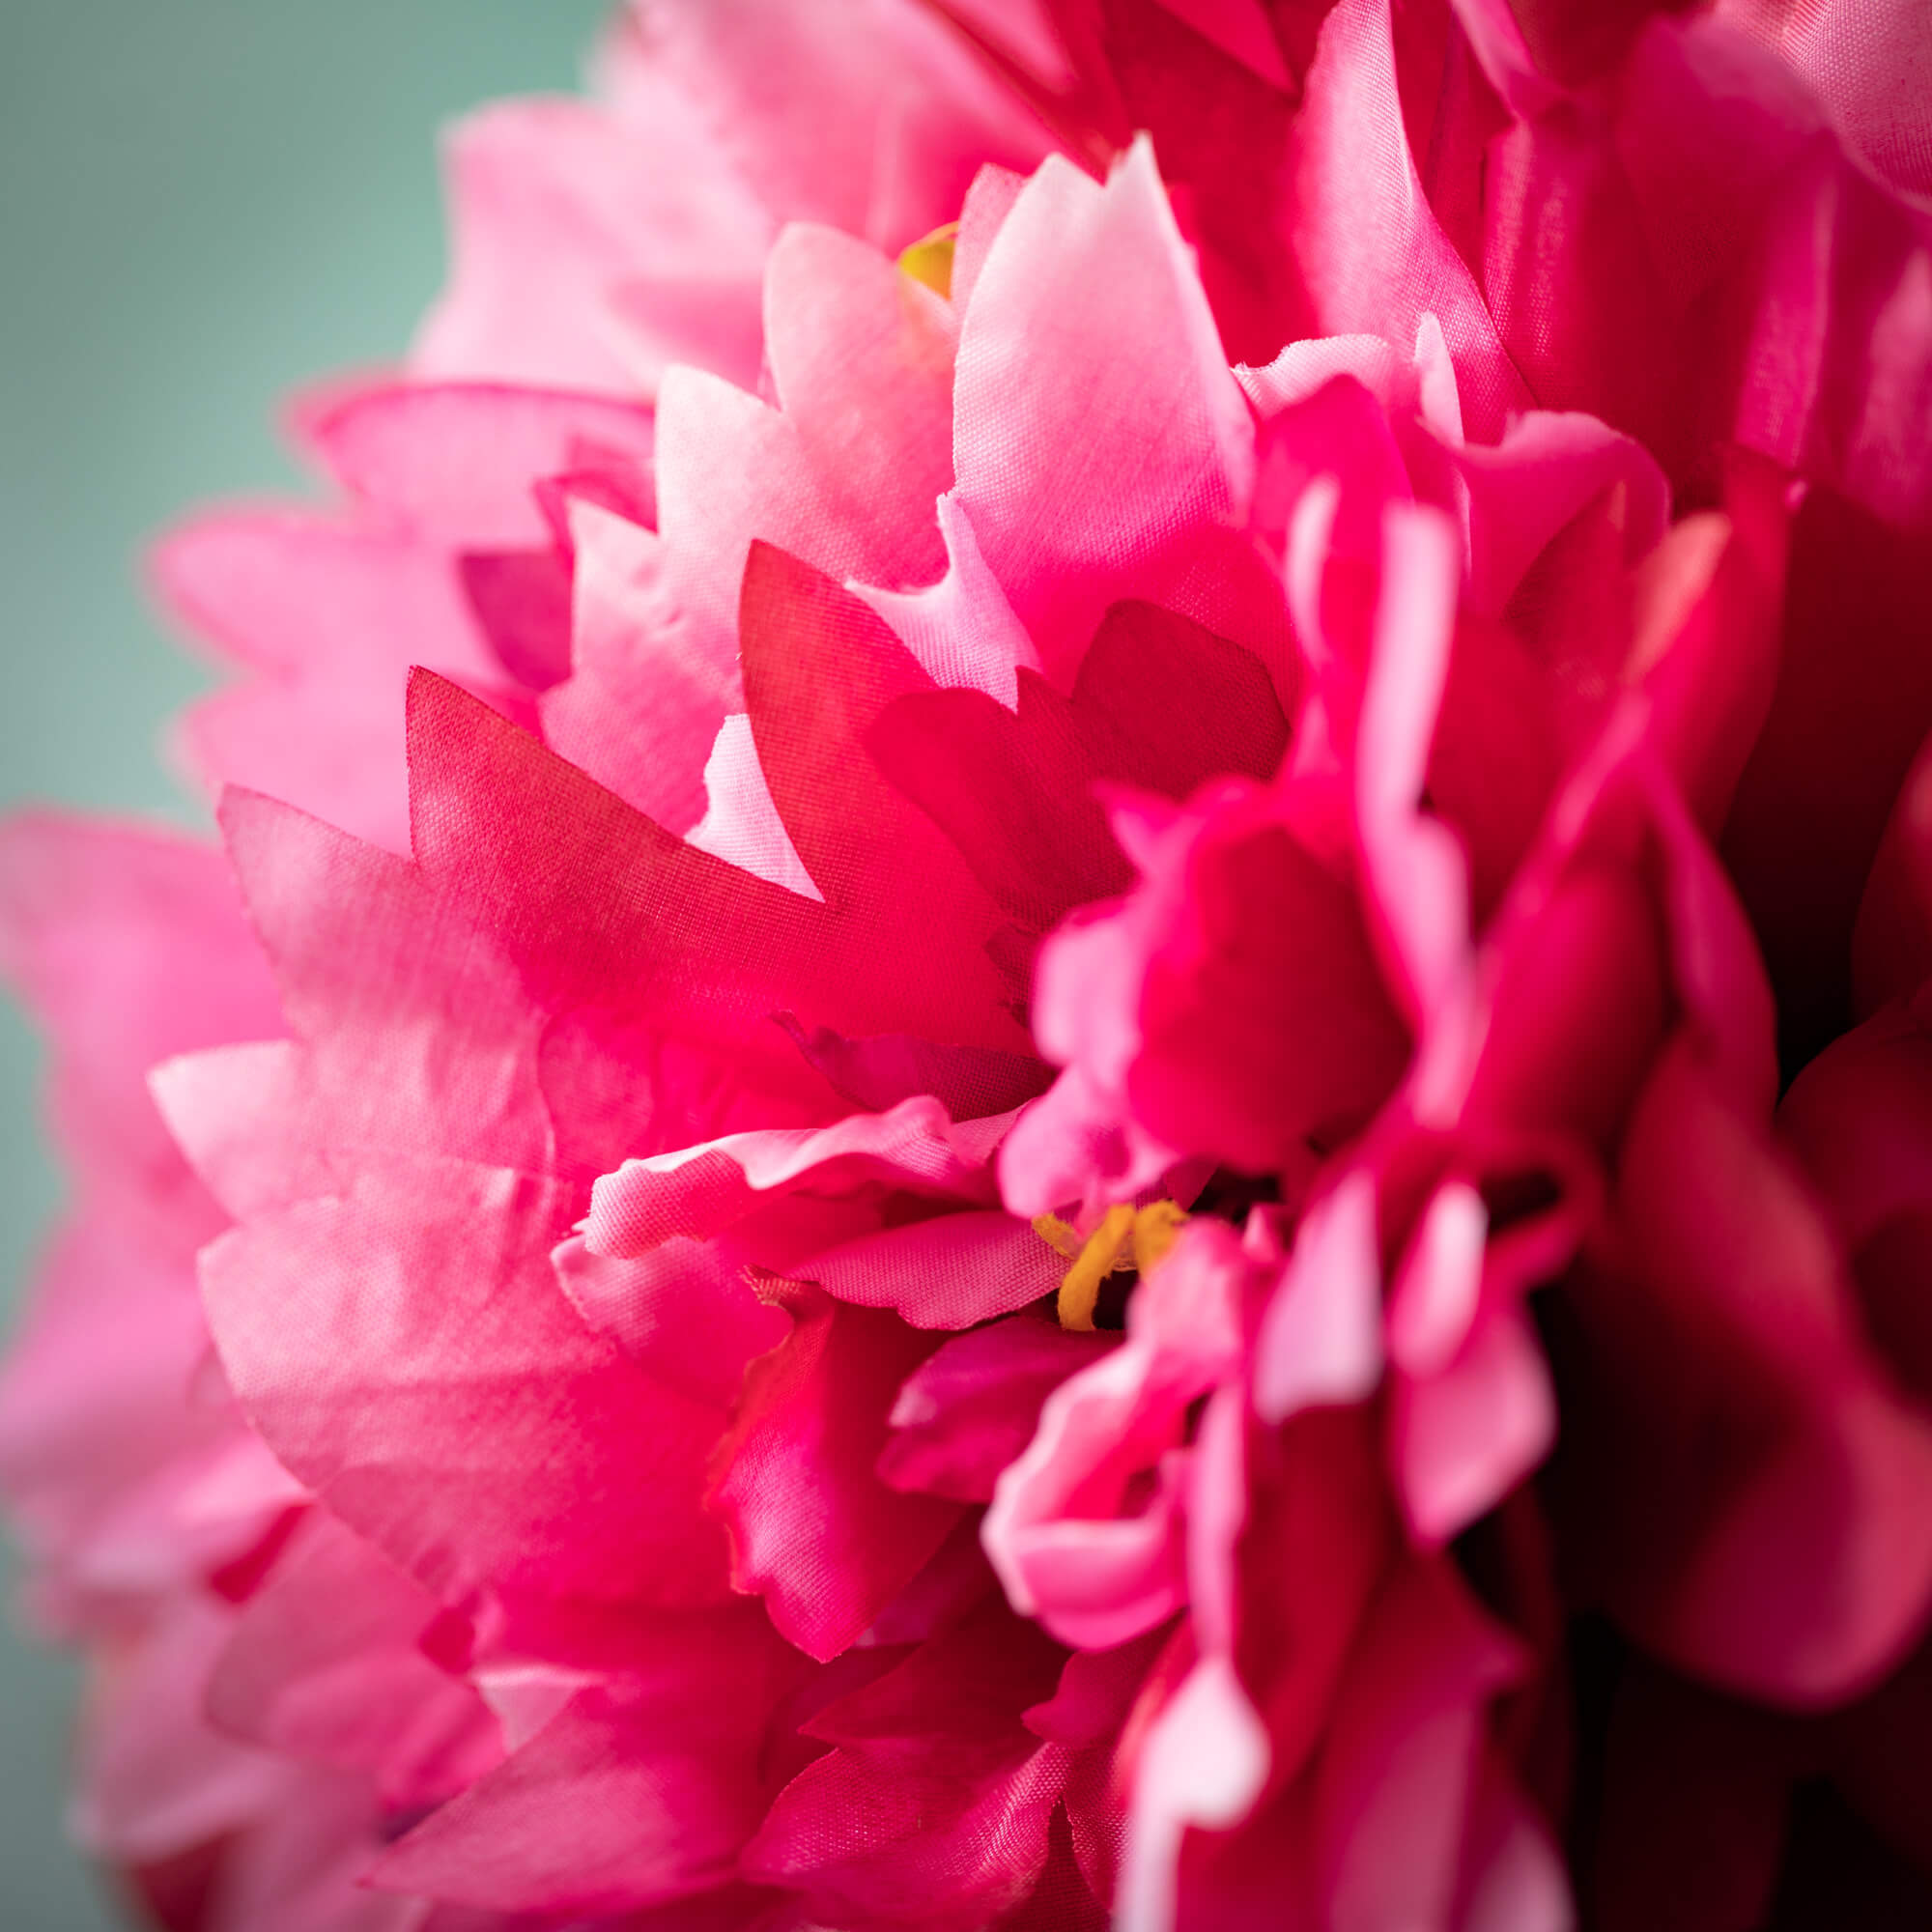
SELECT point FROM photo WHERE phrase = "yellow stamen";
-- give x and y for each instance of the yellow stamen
(1128, 1238)
(1056, 1235)
(929, 259)
(1156, 1228)
(1080, 1289)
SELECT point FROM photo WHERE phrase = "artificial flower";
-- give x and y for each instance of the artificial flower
(1060, 1054)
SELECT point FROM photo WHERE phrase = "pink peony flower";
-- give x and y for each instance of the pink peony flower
(1058, 1057)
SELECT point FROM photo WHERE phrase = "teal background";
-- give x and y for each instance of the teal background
(203, 203)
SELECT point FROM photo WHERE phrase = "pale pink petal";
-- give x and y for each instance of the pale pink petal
(740, 825)
(683, 1311)
(153, 1777)
(1434, 1297)
(456, 462)
(1090, 476)
(961, 628)
(872, 115)
(414, 1320)
(553, 202)
(1205, 1762)
(845, 474)
(1074, 1540)
(331, 618)
(1418, 871)
(700, 1191)
(1466, 1434)
(1373, 256)
(953, 1271)
(326, 1665)
(1320, 1339)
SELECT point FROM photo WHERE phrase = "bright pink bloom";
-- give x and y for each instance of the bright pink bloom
(992, 1133)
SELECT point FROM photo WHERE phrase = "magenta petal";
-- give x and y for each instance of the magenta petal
(813, 1527)
(934, 1807)
(973, 1408)
(1368, 243)
(636, 1793)
(425, 1295)
(1075, 1536)
(683, 1311)
(701, 1191)
(1800, 1568)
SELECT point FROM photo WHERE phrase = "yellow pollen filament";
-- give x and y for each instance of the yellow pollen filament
(1157, 1227)
(1057, 1235)
(1128, 1238)
(929, 259)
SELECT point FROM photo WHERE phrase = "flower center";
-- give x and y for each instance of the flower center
(1128, 1238)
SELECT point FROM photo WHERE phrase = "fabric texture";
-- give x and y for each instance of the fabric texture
(1058, 1051)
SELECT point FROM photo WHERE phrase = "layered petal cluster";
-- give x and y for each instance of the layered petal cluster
(1060, 1053)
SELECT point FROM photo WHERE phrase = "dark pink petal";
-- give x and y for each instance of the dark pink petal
(1159, 703)
(971, 1409)
(876, 1074)
(1260, 912)
(500, 820)
(1696, 1791)
(1852, 706)
(1891, 942)
(934, 1808)
(1797, 1565)
(813, 1527)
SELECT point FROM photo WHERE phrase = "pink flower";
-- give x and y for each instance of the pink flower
(1071, 1067)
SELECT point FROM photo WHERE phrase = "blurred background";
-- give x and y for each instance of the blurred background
(203, 203)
